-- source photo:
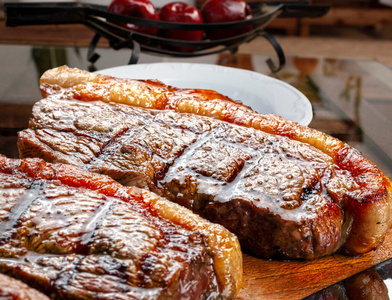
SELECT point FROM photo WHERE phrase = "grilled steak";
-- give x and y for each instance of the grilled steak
(12, 289)
(285, 190)
(73, 234)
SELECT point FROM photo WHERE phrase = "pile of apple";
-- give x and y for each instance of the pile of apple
(213, 11)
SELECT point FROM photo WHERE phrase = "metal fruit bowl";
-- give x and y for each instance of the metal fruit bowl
(103, 23)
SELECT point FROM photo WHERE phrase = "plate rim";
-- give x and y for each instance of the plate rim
(308, 110)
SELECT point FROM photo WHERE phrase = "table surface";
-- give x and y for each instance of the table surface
(351, 100)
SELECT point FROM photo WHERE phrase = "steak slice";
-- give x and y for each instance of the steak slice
(73, 234)
(285, 190)
(12, 289)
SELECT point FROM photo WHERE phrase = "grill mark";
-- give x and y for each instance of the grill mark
(183, 159)
(106, 145)
(134, 130)
(227, 187)
(62, 277)
(161, 174)
(49, 145)
(15, 268)
(8, 228)
(79, 134)
(115, 138)
(232, 190)
(65, 275)
(90, 228)
(214, 134)
(103, 153)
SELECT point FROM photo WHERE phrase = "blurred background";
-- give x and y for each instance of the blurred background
(351, 29)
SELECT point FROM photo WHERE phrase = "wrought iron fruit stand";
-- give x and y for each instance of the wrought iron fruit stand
(103, 23)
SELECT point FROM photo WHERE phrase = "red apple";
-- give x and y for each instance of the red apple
(184, 13)
(138, 9)
(219, 11)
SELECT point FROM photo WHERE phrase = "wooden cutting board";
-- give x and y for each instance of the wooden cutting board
(269, 279)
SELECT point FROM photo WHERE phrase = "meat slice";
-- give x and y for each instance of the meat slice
(73, 234)
(285, 190)
(12, 289)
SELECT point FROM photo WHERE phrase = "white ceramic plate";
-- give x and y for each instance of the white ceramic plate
(262, 93)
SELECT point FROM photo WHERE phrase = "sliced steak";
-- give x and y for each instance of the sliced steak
(78, 235)
(285, 190)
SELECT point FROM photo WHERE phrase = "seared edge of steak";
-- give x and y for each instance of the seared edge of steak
(223, 246)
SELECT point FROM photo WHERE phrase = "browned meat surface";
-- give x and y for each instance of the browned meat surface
(78, 235)
(12, 289)
(285, 190)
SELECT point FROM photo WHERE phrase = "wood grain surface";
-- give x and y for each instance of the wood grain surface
(270, 279)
